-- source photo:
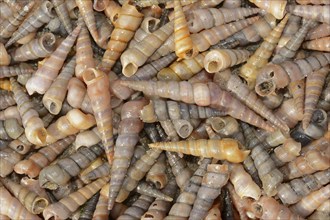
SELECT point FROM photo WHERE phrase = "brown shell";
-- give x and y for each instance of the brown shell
(184, 47)
(218, 149)
(129, 19)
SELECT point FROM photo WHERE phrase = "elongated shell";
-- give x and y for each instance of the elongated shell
(201, 94)
(290, 48)
(86, 10)
(212, 36)
(21, 69)
(64, 208)
(59, 174)
(218, 60)
(321, 44)
(234, 84)
(137, 209)
(182, 70)
(43, 14)
(313, 12)
(183, 204)
(128, 137)
(129, 19)
(278, 76)
(157, 173)
(286, 152)
(46, 74)
(159, 208)
(7, 204)
(69, 124)
(136, 56)
(218, 149)
(308, 204)
(34, 126)
(311, 162)
(9, 26)
(276, 8)
(243, 183)
(314, 85)
(215, 178)
(98, 91)
(84, 53)
(63, 14)
(293, 191)
(200, 19)
(252, 33)
(259, 59)
(37, 48)
(55, 95)
(31, 201)
(32, 165)
(184, 47)
(136, 172)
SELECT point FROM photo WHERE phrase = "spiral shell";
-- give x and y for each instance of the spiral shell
(46, 74)
(60, 173)
(55, 95)
(184, 47)
(314, 85)
(69, 124)
(200, 94)
(32, 165)
(293, 191)
(64, 208)
(249, 71)
(243, 183)
(308, 204)
(215, 178)
(43, 14)
(182, 70)
(234, 84)
(33, 203)
(128, 21)
(313, 12)
(278, 76)
(212, 148)
(200, 19)
(19, 212)
(130, 125)
(37, 48)
(63, 14)
(137, 55)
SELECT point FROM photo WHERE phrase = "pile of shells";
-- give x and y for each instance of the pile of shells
(164, 109)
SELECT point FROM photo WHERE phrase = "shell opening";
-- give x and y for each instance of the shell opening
(129, 69)
(212, 66)
(265, 88)
(39, 205)
(48, 42)
(19, 148)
